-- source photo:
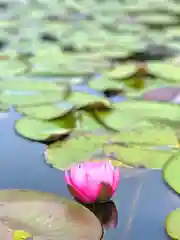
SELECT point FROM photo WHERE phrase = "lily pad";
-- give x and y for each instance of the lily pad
(171, 173)
(47, 112)
(115, 120)
(21, 98)
(166, 70)
(172, 224)
(47, 216)
(40, 130)
(82, 100)
(87, 122)
(148, 110)
(63, 154)
(26, 93)
(105, 84)
(25, 84)
(122, 71)
(137, 156)
(157, 19)
(11, 67)
(157, 135)
(21, 235)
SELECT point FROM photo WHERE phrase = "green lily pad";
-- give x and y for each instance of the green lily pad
(115, 53)
(87, 122)
(158, 134)
(67, 69)
(63, 154)
(22, 98)
(21, 235)
(104, 84)
(156, 19)
(31, 92)
(82, 100)
(137, 156)
(47, 216)
(171, 173)
(166, 70)
(47, 112)
(25, 84)
(11, 67)
(40, 130)
(172, 224)
(122, 71)
(148, 110)
(115, 120)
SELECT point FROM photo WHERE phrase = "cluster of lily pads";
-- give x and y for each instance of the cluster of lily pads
(87, 54)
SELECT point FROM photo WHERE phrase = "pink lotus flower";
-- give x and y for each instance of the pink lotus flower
(94, 181)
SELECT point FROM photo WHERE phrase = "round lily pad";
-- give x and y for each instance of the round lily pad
(40, 130)
(155, 135)
(122, 71)
(12, 67)
(138, 156)
(166, 70)
(171, 173)
(20, 234)
(47, 112)
(172, 224)
(156, 19)
(105, 84)
(47, 216)
(25, 84)
(31, 92)
(75, 149)
(82, 100)
(148, 110)
(87, 122)
(114, 119)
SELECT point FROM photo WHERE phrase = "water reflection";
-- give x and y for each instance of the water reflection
(106, 212)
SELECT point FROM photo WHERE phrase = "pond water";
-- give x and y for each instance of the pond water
(142, 200)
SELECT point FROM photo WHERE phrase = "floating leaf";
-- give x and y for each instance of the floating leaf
(115, 53)
(148, 110)
(46, 216)
(11, 67)
(122, 71)
(171, 173)
(21, 93)
(172, 224)
(63, 155)
(104, 84)
(47, 112)
(30, 98)
(157, 19)
(44, 130)
(114, 119)
(29, 85)
(166, 70)
(138, 157)
(158, 134)
(87, 122)
(82, 99)
(21, 235)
